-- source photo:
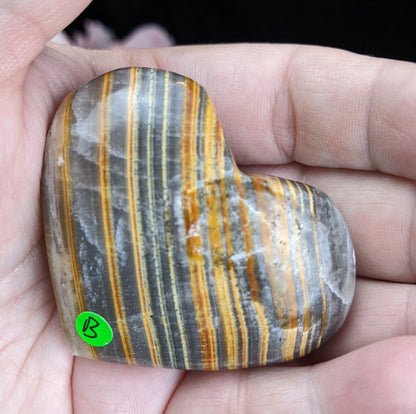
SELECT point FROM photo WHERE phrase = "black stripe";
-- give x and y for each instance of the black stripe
(121, 216)
(175, 223)
(145, 203)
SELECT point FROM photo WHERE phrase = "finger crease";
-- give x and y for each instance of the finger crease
(287, 145)
(371, 159)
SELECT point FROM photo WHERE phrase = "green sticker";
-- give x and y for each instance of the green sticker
(93, 329)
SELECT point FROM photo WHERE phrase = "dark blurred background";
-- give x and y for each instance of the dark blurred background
(384, 29)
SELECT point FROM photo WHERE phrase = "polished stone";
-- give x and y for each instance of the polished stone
(183, 260)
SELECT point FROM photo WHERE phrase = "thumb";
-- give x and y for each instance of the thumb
(25, 27)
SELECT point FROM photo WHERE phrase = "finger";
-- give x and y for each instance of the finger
(316, 106)
(380, 310)
(379, 211)
(103, 387)
(378, 378)
(25, 27)
(34, 359)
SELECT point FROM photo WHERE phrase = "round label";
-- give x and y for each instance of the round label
(93, 329)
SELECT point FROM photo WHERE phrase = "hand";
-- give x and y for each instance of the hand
(341, 122)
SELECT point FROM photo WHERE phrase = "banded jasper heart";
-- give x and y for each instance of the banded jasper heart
(163, 253)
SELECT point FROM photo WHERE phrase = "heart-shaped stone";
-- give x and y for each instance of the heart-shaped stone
(163, 253)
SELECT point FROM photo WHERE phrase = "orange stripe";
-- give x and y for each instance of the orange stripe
(131, 135)
(250, 258)
(67, 202)
(272, 233)
(250, 268)
(321, 284)
(193, 237)
(79, 289)
(218, 223)
(104, 170)
(246, 227)
(275, 236)
(291, 305)
(306, 305)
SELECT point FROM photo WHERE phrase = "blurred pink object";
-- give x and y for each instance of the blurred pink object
(98, 36)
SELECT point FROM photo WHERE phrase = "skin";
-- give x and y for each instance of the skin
(341, 122)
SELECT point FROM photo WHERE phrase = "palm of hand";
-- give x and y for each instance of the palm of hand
(36, 368)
